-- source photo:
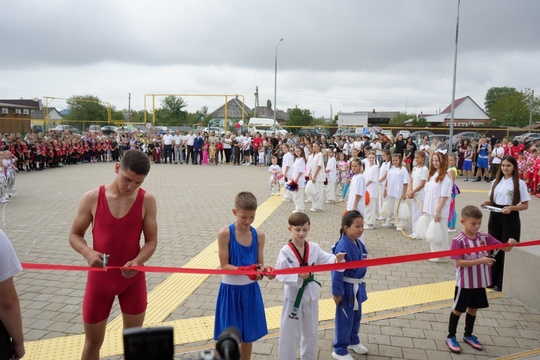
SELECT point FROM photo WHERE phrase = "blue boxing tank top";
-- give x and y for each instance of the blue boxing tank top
(240, 255)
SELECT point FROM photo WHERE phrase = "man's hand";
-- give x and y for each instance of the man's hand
(94, 258)
(129, 273)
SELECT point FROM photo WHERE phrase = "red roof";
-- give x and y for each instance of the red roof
(457, 102)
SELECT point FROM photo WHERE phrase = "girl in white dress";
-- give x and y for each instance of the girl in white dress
(357, 188)
(299, 168)
(438, 190)
(371, 175)
(416, 189)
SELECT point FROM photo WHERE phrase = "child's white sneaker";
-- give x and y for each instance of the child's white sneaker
(341, 357)
(358, 348)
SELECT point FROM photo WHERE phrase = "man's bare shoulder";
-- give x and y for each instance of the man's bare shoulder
(90, 196)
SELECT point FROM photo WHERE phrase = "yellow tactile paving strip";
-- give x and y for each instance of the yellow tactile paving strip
(164, 299)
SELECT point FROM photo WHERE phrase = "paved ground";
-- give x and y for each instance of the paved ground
(194, 202)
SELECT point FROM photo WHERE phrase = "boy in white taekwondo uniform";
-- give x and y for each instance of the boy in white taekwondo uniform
(300, 314)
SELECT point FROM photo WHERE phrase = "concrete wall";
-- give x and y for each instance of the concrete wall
(522, 275)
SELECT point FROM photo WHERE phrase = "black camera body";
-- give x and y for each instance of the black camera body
(158, 344)
(227, 346)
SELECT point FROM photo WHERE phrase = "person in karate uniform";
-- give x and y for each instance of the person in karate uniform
(300, 314)
(349, 288)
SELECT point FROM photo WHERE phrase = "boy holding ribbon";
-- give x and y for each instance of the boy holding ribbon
(300, 314)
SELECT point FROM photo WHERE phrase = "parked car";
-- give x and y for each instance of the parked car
(440, 137)
(422, 134)
(532, 136)
(215, 129)
(109, 129)
(312, 130)
(467, 135)
(346, 132)
(62, 128)
(94, 128)
(404, 133)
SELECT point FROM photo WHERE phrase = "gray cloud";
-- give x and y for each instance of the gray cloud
(353, 54)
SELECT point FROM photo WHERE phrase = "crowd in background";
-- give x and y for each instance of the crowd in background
(37, 152)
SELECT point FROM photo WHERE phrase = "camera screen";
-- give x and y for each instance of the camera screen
(149, 343)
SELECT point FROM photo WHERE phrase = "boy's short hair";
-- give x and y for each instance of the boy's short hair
(299, 219)
(136, 161)
(245, 200)
(471, 211)
(273, 157)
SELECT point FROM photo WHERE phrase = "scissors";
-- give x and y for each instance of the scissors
(105, 261)
(343, 309)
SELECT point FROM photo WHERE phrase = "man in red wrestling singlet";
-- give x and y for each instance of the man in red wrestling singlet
(119, 212)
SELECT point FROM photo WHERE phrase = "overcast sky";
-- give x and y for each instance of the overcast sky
(348, 55)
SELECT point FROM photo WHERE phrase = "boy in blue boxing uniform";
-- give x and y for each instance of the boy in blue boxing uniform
(239, 302)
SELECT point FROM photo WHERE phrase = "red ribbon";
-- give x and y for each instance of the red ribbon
(311, 269)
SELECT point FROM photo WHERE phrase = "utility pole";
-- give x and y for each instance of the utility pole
(129, 107)
(532, 108)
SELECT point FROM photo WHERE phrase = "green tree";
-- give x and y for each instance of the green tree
(269, 103)
(399, 119)
(420, 121)
(171, 111)
(300, 117)
(86, 107)
(511, 110)
(496, 93)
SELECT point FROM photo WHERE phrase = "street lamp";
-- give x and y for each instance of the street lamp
(275, 84)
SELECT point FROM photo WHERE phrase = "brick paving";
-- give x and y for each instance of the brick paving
(194, 202)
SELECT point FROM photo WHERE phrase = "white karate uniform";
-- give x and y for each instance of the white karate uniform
(286, 166)
(303, 329)
(372, 174)
(396, 178)
(357, 187)
(383, 170)
(318, 197)
(418, 175)
(298, 169)
(331, 175)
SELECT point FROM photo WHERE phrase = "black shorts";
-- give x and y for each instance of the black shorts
(472, 298)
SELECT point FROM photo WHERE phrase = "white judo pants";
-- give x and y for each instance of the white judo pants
(331, 191)
(301, 331)
(393, 203)
(318, 197)
(416, 209)
(298, 198)
(371, 210)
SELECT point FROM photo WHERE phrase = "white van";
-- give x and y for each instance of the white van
(265, 127)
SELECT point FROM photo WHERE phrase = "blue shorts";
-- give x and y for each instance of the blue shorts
(241, 306)
(482, 163)
(467, 165)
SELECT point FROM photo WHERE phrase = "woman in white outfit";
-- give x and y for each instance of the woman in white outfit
(438, 190)
(416, 189)
(298, 169)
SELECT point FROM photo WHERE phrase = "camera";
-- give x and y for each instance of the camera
(158, 344)
(149, 343)
(227, 346)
